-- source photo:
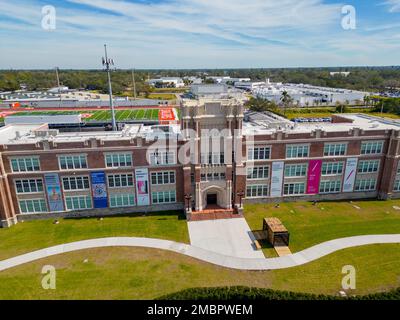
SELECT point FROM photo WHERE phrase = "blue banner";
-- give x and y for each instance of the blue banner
(53, 188)
(99, 189)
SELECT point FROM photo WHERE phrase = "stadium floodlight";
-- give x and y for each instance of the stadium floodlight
(107, 63)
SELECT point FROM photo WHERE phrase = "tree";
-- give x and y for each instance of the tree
(260, 105)
(286, 100)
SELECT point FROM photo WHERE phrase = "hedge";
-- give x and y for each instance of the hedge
(248, 293)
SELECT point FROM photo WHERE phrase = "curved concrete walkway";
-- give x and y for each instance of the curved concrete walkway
(296, 259)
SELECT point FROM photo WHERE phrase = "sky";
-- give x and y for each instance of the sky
(152, 34)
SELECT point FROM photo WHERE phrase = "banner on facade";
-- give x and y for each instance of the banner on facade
(277, 178)
(350, 175)
(99, 190)
(314, 176)
(142, 186)
(54, 196)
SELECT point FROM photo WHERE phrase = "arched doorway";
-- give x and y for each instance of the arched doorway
(214, 197)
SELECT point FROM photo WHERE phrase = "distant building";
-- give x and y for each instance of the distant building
(341, 73)
(166, 82)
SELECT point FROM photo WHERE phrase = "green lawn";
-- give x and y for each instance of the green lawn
(142, 273)
(309, 225)
(32, 235)
(139, 273)
(322, 112)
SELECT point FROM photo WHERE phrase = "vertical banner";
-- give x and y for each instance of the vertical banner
(53, 188)
(142, 186)
(314, 176)
(277, 178)
(99, 190)
(350, 174)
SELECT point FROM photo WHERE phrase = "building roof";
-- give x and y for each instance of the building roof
(269, 125)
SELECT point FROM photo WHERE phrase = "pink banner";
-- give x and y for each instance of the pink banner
(314, 176)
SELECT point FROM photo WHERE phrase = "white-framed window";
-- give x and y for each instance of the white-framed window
(365, 185)
(257, 191)
(78, 202)
(122, 200)
(212, 176)
(368, 166)
(120, 180)
(212, 158)
(163, 197)
(259, 153)
(76, 183)
(32, 206)
(294, 188)
(29, 185)
(118, 160)
(396, 185)
(372, 147)
(332, 168)
(297, 151)
(71, 162)
(256, 173)
(163, 177)
(295, 170)
(330, 186)
(26, 164)
(162, 157)
(335, 149)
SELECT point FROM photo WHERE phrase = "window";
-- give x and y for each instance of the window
(396, 185)
(78, 202)
(29, 185)
(117, 160)
(25, 164)
(164, 197)
(212, 158)
(335, 149)
(257, 173)
(256, 191)
(365, 184)
(73, 162)
(297, 151)
(259, 153)
(372, 147)
(293, 188)
(330, 186)
(368, 166)
(120, 180)
(33, 206)
(162, 157)
(332, 168)
(122, 200)
(295, 170)
(163, 177)
(212, 176)
(75, 183)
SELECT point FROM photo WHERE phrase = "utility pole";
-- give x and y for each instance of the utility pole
(107, 63)
(58, 86)
(134, 83)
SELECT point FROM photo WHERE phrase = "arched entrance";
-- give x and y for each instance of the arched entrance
(214, 197)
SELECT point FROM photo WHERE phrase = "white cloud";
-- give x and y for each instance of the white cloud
(185, 34)
(394, 5)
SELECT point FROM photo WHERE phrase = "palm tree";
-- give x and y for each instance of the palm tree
(286, 100)
(367, 100)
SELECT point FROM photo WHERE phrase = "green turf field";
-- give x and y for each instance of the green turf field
(100, 115)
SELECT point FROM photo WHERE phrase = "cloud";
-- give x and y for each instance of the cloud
(186, 34)
(394, 5)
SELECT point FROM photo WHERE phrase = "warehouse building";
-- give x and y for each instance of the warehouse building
(258, 158)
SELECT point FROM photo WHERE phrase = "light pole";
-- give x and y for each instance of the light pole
(107, 63)
(240, 195)
(188, 197)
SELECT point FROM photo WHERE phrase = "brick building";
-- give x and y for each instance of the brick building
(257, 158)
